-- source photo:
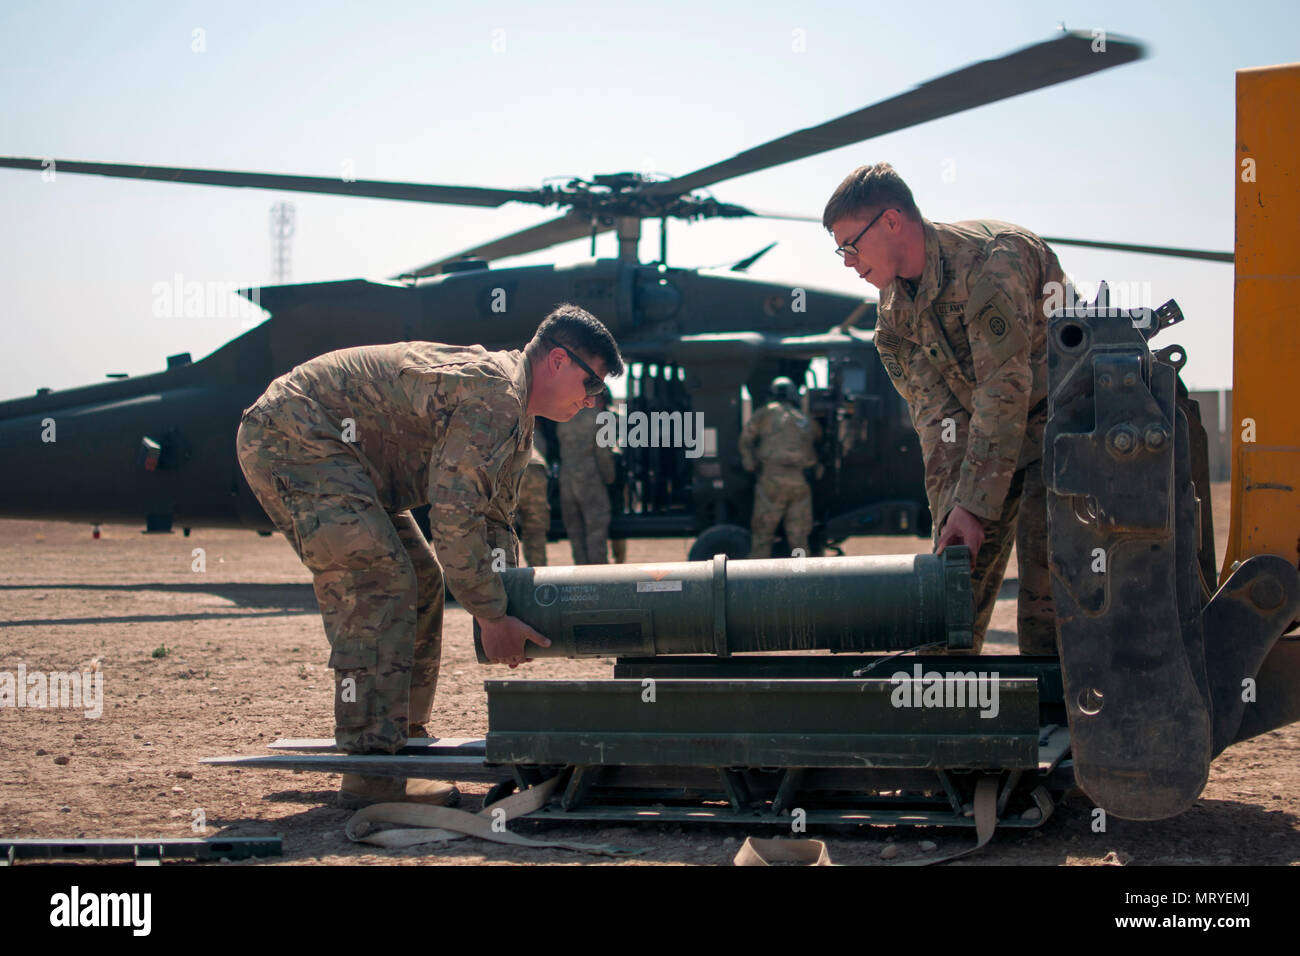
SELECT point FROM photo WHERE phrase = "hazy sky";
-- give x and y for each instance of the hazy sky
(510, 94)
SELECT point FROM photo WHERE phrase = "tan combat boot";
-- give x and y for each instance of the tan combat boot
(361, 790)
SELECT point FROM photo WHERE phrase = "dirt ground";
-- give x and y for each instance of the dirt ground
(245, 664)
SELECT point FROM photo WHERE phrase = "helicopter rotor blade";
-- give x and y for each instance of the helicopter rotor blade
(788, 217)
(1174, 251)
(363, 188)
(744, 264)
(532, 239)
(1062, 58)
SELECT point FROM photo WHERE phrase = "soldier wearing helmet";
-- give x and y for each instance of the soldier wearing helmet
(778, 441)
(586, 471)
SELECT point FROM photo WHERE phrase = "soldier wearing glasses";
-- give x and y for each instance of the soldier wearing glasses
(339, 450)
(962, 333)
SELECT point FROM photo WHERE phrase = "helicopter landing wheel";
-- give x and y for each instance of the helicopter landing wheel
(729, 539)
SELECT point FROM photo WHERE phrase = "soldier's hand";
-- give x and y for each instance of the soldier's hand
(504, 640)
(962, 527)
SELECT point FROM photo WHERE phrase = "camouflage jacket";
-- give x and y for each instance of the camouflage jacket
(442, 424)
(584, 462)
(784, 437)
(968, 352)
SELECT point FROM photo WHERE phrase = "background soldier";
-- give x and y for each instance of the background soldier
(617, 546)
(962, 332)
(339, 450)
(586, 471)
(784, 437)
(534, 515)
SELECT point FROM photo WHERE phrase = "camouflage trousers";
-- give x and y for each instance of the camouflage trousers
(780, 495)
(377, 582)
(1023, 522)
(584, 506)
(534, 515)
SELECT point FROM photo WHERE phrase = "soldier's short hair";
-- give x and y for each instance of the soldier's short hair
(866, 191)
(576, 328)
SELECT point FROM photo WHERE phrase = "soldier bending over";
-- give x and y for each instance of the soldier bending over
(339, 450)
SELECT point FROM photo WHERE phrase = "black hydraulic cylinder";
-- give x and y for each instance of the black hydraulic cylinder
(876, 603)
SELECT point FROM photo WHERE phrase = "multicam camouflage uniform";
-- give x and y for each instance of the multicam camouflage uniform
(785, 437)
(586, 470)
(534, 515)
(967, 349)
(338, 451)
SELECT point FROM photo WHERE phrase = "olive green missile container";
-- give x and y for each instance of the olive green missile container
(721, 607)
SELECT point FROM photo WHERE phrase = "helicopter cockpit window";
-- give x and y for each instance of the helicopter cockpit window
(853, 381)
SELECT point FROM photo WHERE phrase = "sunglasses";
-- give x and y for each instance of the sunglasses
(593, 383)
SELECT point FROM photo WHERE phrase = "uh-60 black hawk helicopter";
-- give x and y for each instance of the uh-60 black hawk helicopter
(161, 446)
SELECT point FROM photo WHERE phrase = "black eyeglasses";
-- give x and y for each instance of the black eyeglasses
(850, 248)
(593, 383)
